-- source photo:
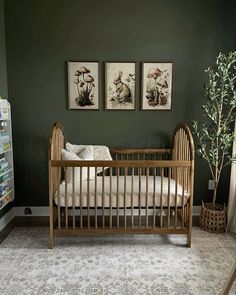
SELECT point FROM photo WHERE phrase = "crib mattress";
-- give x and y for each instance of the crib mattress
(179, 198)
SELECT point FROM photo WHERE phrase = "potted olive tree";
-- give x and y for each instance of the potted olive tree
(214, 134)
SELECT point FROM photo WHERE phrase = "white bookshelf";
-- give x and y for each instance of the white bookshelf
(6, 155)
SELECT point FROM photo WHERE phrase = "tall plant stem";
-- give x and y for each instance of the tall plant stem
(214, 194)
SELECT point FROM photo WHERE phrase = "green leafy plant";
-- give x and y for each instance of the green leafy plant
(214, 135)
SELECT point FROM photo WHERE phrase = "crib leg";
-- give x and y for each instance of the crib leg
(51, 227)
(189, 239)
(51, 235)
(51, 241)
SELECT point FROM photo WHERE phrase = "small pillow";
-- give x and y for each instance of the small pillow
(86, 155)
(100, 152)
(74, 148)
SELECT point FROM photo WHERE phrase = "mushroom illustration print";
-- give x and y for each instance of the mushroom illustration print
(156, 84)
(83, 85)
(120, 86)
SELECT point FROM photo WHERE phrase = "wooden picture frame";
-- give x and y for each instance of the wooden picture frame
(83, 85)
(120, 85)
(157, 82)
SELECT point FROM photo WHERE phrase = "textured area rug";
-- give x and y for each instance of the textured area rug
(124, 264)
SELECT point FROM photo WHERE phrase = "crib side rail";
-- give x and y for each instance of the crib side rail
(140, 150)
(140, 154)
(122, 213)
(120, 163)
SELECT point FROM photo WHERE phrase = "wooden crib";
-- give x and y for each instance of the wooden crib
(141, 191)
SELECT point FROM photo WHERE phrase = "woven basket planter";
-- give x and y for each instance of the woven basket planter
(213, 218)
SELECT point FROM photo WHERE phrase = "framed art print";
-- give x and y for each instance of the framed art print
(83, 85)
(157, 85)
(120, 85)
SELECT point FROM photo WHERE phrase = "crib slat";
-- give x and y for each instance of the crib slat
(154, 198)
(117, 198)
(132, 198)
(122, 169)
(188, 184)
(125, 195)
(95, 199)
(103, 198)
(139, 197)
(178, 154)
(181, 152)
(51, 194)
(81, 198)
(88, 197)
(187, 213)
(183, 197)
(168, 211)
(180, 144)
(161, 198)
(138, 168)
(147, 196)
(73, 196)
(110, 198)
(184, 154)
(66, 200)
(176, 195)
(59, 200)
(188, 170)
(185, 157)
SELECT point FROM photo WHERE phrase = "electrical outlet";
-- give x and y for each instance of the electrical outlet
(28, 211)
(211, 185)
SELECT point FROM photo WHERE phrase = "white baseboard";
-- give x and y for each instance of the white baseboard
(7, 218)
(196, 210)
(44, 211)
(36, 211)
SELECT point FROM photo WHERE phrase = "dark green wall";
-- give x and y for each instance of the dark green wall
(3, 65)
(3, 74)
(41, 35)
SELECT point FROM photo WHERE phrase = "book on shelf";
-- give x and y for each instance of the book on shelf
(4, 177)
(4, 166)
(4, 189)
(4, 109)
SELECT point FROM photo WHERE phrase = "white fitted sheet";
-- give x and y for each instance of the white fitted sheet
(172, 192)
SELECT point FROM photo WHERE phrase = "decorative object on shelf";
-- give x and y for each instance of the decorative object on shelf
(214, 133)
(120, 85)
(157, 86)
(6, 156)
(83, 85)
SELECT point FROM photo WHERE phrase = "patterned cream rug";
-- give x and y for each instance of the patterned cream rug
(144, 264)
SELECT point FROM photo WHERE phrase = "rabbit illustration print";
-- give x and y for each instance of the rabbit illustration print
(120, 86)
